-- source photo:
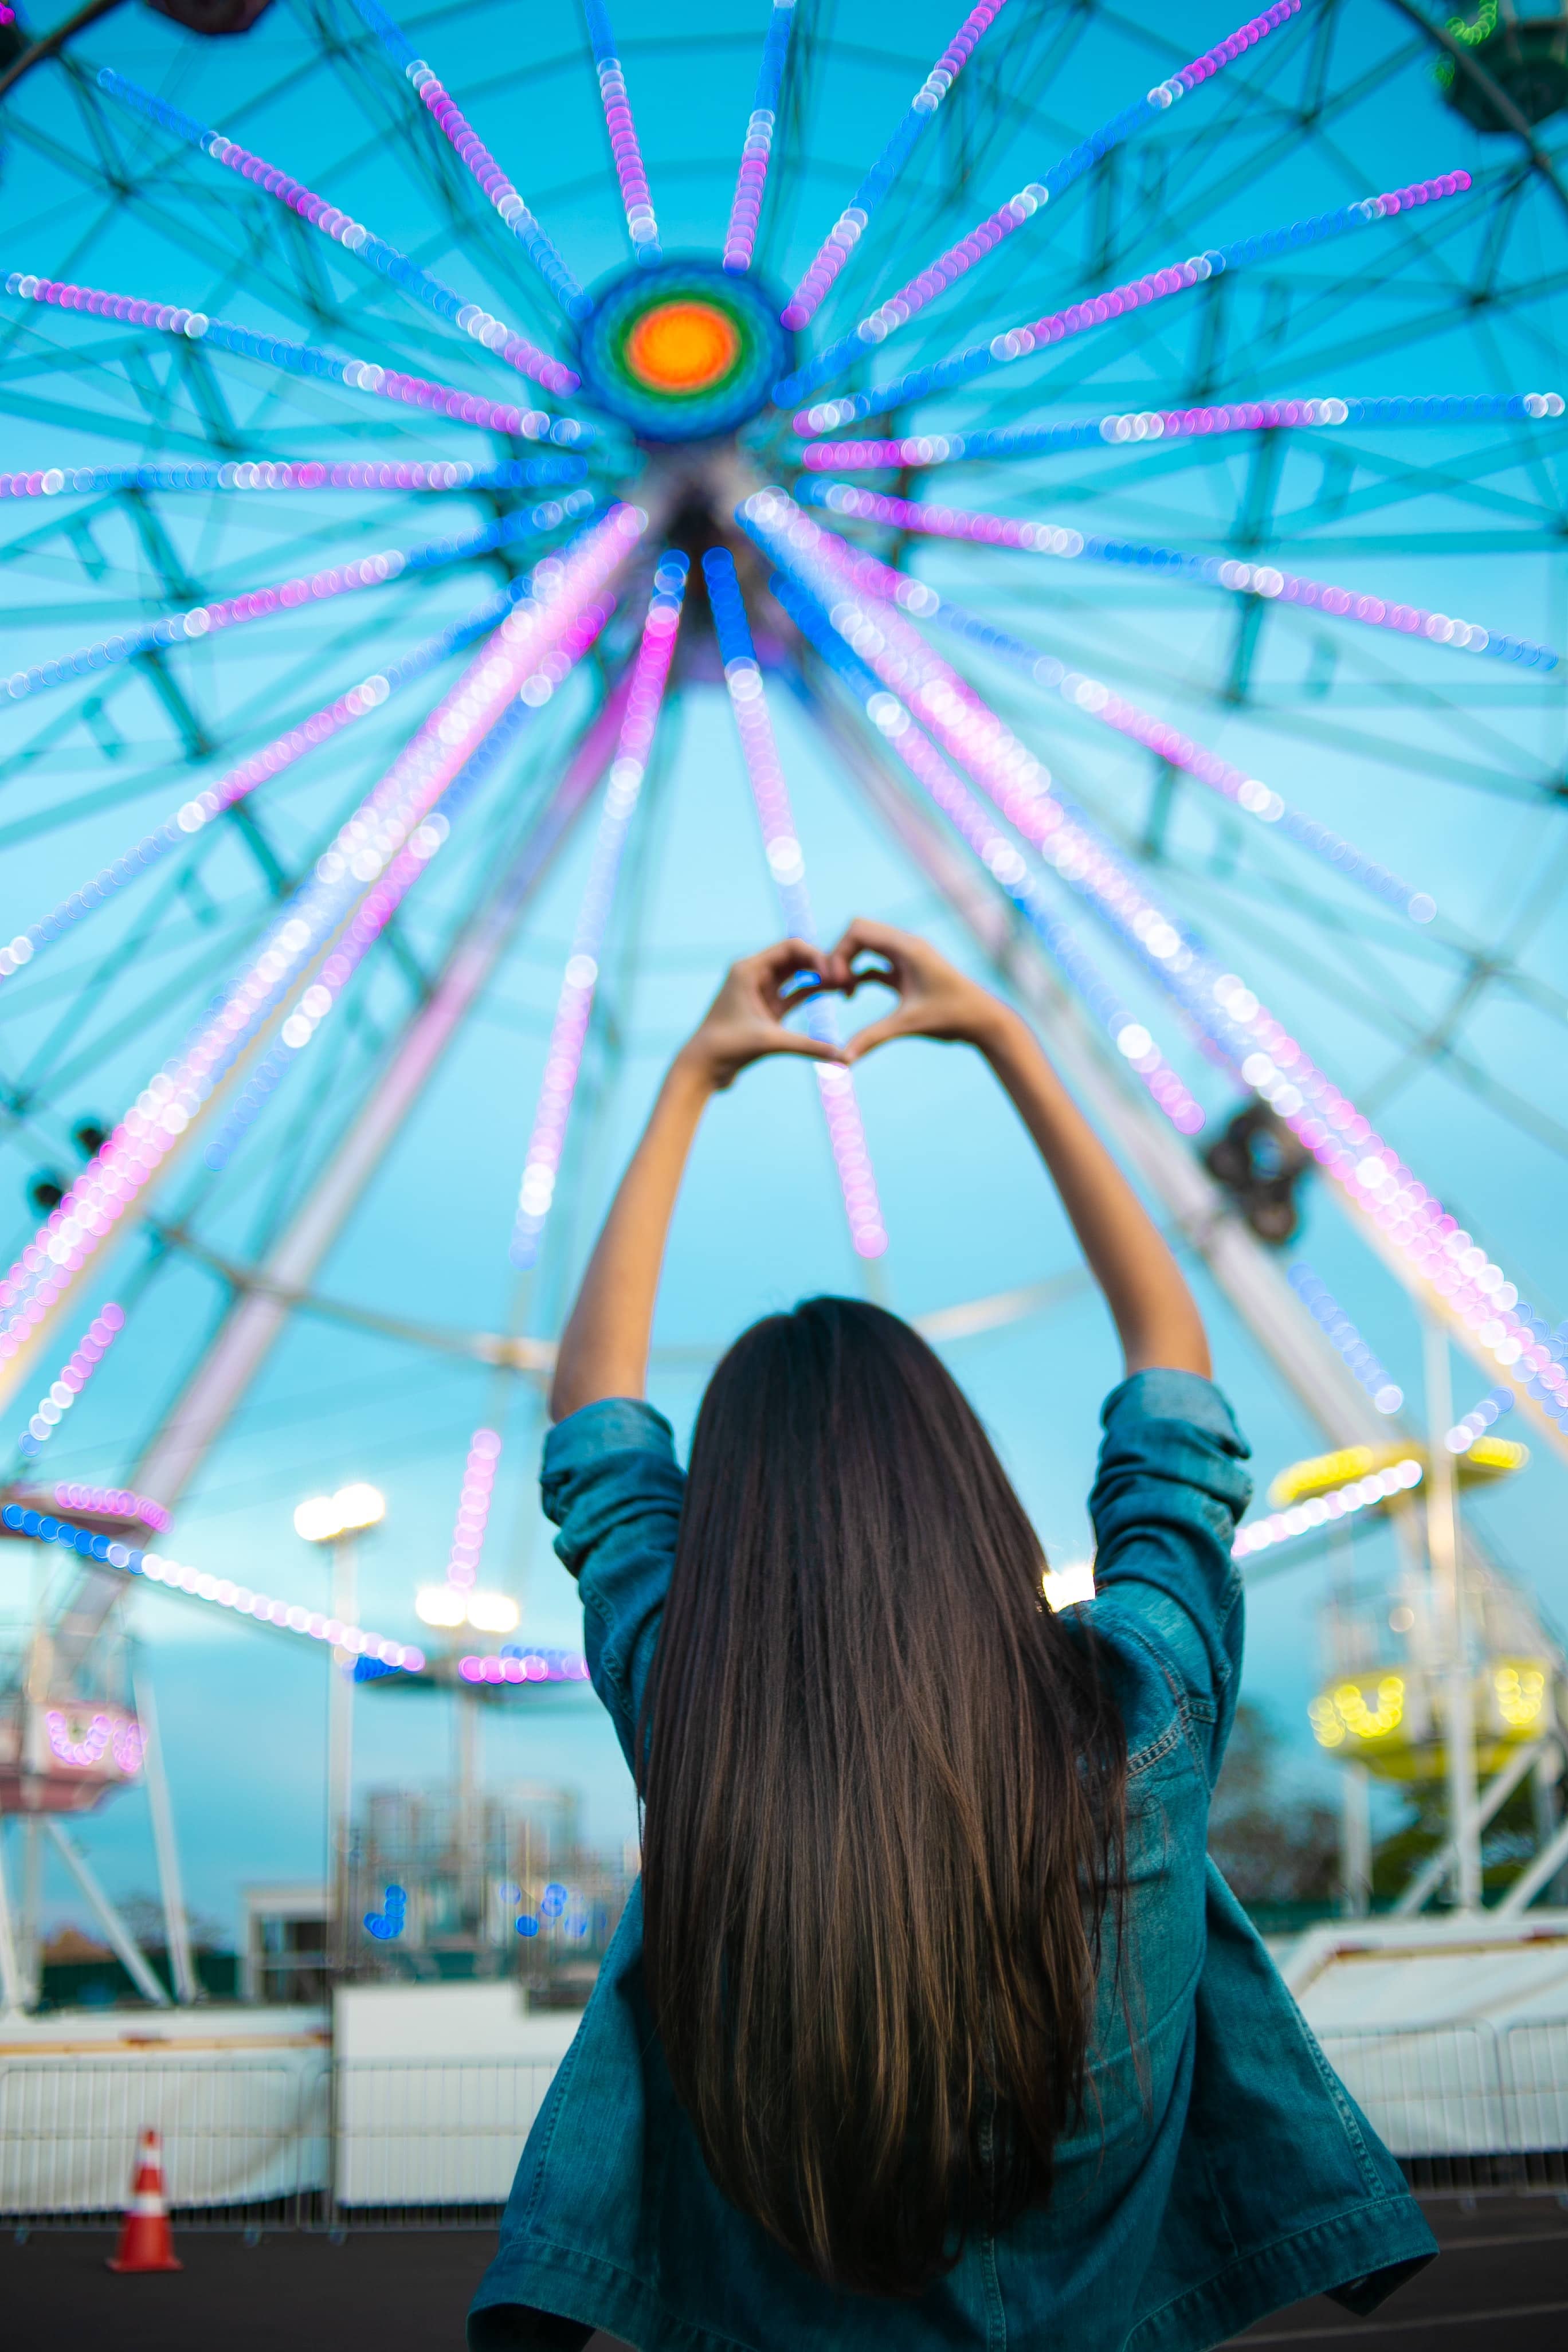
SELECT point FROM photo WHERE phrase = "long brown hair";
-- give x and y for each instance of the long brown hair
(883, 1794)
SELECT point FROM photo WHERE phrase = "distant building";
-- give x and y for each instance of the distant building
(496, 1884)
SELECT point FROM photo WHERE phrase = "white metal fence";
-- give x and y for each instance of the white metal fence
(297, 2139)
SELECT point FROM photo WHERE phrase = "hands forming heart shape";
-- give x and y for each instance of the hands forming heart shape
(746, 1020)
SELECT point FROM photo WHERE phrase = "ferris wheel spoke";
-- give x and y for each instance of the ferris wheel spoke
(750, 184)
(283, 753)
(852, 222)
(575, 1004)
(896, 312)
(637, 200)
(1117, 301)
(467, 145)
(288, 595)
(302, 360)
(428, 476)
(295, 685)
(1399, 1218)
(376, 851)
(231, 1360)
(492, 334)
(1150, 428)
(997, 853)
(786, 866)
(1261, 581)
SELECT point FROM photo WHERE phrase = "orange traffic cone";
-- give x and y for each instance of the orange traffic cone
(146, 2241)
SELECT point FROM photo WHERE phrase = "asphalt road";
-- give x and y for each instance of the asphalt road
(1503, 2282)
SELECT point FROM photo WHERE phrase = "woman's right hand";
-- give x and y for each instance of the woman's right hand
(935, 999)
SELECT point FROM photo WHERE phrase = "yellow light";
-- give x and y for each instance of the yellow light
(1493, 1457)
(493, 1612)
(681, 347)
(1327, 1728)
(439, 1604)
(1521, 1694)
(1343, 1712)
(1323, 1472)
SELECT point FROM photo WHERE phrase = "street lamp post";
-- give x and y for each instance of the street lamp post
(339, 1520)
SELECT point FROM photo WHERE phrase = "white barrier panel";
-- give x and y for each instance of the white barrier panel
(443, 2132)
(235, 2130)
(441, 2136)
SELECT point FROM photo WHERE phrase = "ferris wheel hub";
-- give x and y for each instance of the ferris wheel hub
(684, 351)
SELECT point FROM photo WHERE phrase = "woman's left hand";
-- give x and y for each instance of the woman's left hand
(745, 1020)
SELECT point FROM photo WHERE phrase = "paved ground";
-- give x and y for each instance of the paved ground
(1503, 2281)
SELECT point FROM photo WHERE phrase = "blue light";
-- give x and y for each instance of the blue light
(386, 1925)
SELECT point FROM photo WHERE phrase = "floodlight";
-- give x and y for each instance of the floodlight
(440, 1605)
(493, 1612)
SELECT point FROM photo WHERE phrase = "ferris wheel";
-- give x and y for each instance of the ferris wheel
(357, 562)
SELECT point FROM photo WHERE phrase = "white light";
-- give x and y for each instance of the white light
(491, 1612)
(439, 1604)
(325, 1517)
(1064, 1587)
(317, 1521)
(360, 1505)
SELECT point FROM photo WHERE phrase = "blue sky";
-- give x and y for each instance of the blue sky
(1378, 738)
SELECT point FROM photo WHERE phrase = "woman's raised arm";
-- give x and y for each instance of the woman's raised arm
(603, 1349)
(1155, 1315)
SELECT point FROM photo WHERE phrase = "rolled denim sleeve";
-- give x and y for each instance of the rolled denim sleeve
(1170, 1490)
(611, 1483)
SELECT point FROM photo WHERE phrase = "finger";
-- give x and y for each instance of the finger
(784, 957)
(881, 1033)
(813, 1049)
(881, 939)
(879, 974)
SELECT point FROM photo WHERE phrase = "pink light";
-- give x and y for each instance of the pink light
(1245, 579)
(192, 815)
(305, 359)
(851, 226)
(1324, 1510)
(529, 653)
(466, 143)
(746, 211)
(1128, 427)
(113, 1502)
(85, 1752)
(641, 226)
(75, 1374)
(473, 1507)
(534, 1666)
(786, 863)
(1096, 701)
(1404, 1222)
(1057, 326)
(575, 1004)
(988, 234)
(222, 1593)
(493, 333)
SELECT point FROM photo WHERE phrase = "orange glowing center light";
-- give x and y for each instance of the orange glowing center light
(682, 347)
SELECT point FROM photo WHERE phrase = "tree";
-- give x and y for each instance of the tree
(1273, 1846)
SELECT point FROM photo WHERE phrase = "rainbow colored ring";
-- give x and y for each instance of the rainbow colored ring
(681, 351)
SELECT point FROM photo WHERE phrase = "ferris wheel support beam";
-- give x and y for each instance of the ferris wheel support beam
(1312, 1369)
(256, 1321)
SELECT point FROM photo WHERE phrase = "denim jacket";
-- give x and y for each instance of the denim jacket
(1220, 2168)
